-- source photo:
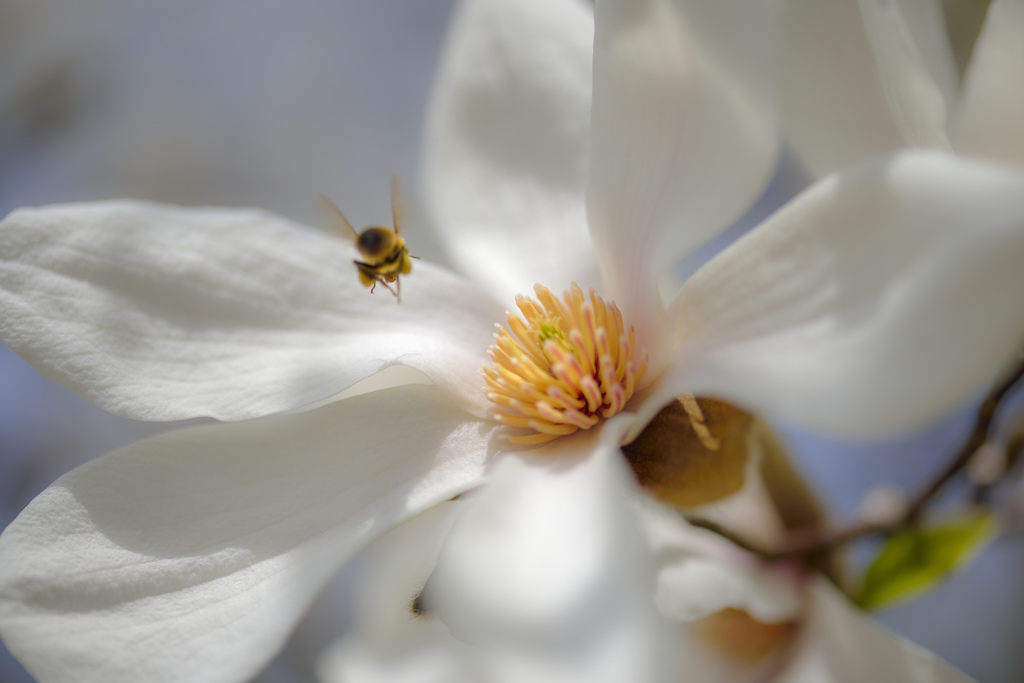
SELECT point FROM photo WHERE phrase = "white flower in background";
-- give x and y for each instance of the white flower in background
(191, 556)
(870, 78)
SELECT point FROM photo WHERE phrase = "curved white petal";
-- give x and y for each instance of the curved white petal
(876, 301)
(918, 96)
(832, 106)
(682, 142)
(161, 313)
(840, 645)
(386, 642)
(834, 86)
(191, 556)
(697, 587)
(990, 121)
(505, 149)
(700, 573)
(546, 574)
(925, 21)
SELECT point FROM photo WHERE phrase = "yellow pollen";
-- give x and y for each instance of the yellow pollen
(562, 365)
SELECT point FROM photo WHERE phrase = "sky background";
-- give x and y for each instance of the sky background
(268, 103)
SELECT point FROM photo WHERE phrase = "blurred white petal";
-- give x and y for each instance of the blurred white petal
(990, 121)
(832, 106)
(698, 587)
(703, 579)
(504, 160)
(700, 573)
(878, 299)
(841, 645)
(925, 22)
(917, 98)
(191, 555)
(683, 139)
(162, 313)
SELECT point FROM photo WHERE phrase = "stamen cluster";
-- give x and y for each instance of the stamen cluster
(562, 366)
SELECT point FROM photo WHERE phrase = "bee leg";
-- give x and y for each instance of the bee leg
(388, 287)
(373, 286)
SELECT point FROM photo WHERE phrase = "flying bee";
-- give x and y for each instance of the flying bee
(385, 256)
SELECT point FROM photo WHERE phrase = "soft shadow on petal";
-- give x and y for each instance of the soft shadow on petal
(990, 121)
(161, 313)
(505, 154)
(386, 642)
(545, 571)
(192, 555)
(841, 645)
(683, 139)
(874, 302)
(919, 85)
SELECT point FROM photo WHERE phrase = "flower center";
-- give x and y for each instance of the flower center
(562, 366)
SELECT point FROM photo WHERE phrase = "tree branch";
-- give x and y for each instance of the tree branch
(810, 540)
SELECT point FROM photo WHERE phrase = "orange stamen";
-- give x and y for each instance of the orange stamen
(562, 365)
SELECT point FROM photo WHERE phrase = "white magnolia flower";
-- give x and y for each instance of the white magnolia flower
(191, 556)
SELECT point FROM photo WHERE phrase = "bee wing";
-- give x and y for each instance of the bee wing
(397, 206)
(341, 223)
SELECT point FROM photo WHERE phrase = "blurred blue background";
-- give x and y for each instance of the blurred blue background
(267, 103)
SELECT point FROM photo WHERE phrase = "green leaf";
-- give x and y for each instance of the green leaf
(912, 562)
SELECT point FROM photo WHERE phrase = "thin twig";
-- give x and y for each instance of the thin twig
(982, 424)
(809, 540)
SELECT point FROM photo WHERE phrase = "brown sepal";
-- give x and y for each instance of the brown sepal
(687, 457)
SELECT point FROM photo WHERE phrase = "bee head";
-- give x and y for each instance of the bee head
(376, 242)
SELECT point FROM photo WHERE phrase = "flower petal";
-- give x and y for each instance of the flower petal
(161, 313)
(683, 139)
(545, 572)
(915, 66)
(732, 615)
(698, 587)
(504, 161)
(990, 121)
(841, 645)
(832, 105)
(191, 556)
(700, 573)
(386, 641)
(876, 301)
